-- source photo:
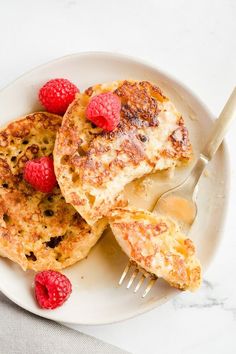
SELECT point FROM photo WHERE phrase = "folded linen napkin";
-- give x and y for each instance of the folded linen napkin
(24, 333)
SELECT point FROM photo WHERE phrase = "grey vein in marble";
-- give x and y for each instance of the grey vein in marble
(206, 297)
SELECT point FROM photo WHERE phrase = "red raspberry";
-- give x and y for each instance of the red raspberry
(104, 111)
(57, 94)
(40, 174)
(52, 289)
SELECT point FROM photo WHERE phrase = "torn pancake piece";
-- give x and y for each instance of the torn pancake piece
(157, 245)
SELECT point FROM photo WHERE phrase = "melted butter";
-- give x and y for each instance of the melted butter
(143, 193)
(177, 207)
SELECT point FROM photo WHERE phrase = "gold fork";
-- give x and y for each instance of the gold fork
(185, 192)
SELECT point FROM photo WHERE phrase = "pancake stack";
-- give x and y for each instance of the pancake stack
(54, 230)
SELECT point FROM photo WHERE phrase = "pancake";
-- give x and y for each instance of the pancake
(38, 231)
(93, 166)
(157, 245)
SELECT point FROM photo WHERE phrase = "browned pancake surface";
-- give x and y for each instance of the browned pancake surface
(37, 230)
(93, 166)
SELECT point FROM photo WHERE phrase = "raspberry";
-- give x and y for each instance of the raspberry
(104, 111)
(40, 174)
(52, 289)
(57, 94)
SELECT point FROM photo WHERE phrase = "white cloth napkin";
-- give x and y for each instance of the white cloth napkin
(24, 333)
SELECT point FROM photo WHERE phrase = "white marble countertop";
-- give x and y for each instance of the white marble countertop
(194, 41)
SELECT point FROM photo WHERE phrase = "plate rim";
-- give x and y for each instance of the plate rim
(136, 59)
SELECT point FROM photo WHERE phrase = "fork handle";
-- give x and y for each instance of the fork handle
(220, 127)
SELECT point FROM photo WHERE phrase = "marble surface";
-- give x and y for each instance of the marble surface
(194, 41)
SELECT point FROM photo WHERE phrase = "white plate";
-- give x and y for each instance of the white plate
(96, 297)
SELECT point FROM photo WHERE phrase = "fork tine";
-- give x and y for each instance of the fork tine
(149, 286)
(133, 276)
(127, 268)
(141, 280)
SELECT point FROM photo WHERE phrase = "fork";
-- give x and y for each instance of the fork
(186, 192)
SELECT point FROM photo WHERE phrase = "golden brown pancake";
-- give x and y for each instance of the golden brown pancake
(38, 231)
(157, 245)
(93, 166)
